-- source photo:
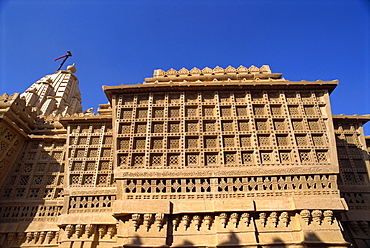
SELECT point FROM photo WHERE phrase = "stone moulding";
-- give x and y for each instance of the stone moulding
(265, 69)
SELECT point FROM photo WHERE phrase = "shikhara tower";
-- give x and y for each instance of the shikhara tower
(200, 158)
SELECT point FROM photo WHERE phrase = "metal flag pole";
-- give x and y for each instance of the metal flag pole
(69, 54)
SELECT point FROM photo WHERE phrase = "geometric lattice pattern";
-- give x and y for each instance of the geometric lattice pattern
(208, 125)
(90, 148)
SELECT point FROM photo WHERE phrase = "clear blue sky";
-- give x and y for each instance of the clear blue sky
(115, 42)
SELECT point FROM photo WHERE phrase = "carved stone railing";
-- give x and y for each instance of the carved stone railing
(235, 187)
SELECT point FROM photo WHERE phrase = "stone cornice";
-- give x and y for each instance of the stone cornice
(85, 118)
(271, 84)
(360, 118)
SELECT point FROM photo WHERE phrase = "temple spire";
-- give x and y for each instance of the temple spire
(56, 94)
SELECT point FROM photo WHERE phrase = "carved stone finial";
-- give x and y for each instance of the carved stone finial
(72, 68)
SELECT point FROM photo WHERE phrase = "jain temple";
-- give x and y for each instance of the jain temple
(223, 157)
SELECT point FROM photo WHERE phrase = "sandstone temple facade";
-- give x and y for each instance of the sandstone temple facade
(223, 157)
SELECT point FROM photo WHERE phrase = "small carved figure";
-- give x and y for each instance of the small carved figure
(136, 220)
(49, 237)
(11, 237)
(159, 218)
(284, 218)
(42, 237)
(175, 222)
(79, 230)
(102, 230)
(111, 231)
(20, 237)
(316, 216)
(36, 235)
(207, 221)
(197, 221)
(234, 219)
(69, 230)
(263, 218)
(328, 216)
(89, 230)
(223, 219)
(274, 218)
(245, 217)
(186, 221)
(147, 221)
(306, 215)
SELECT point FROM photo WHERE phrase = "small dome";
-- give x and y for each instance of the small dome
(71, 68)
